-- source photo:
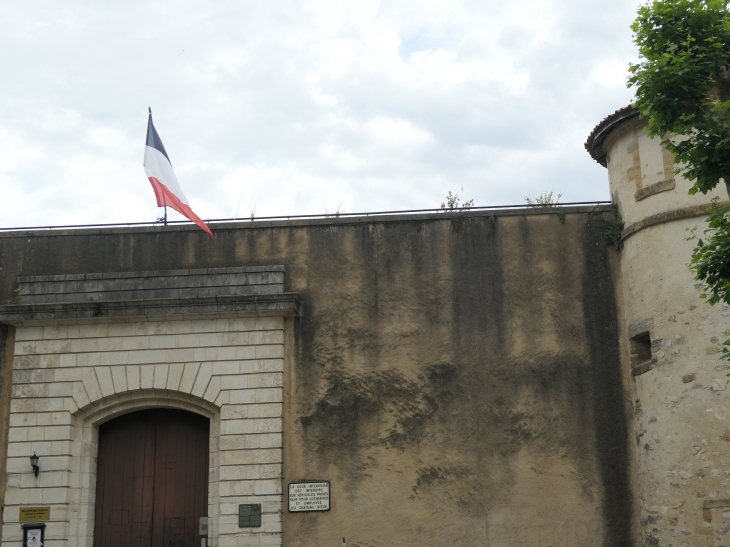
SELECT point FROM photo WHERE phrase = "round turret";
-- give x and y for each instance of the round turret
(671, 337)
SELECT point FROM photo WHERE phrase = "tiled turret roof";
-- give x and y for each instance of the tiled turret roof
(594, 144)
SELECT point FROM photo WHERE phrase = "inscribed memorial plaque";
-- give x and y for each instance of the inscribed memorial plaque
(34, 513)
(309, 496)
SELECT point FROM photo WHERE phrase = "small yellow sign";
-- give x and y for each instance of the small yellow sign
(35, 513)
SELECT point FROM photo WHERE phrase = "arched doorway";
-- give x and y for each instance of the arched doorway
(152, 479)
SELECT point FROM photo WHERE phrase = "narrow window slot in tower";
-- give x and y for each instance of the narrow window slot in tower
(640, 348)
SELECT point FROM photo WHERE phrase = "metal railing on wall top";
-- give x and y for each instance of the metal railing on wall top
(301, 217)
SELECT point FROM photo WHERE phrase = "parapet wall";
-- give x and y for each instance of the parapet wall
(456, 377)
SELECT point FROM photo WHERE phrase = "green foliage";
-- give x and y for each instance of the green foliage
(612, 228)
(711, 257)
(452, 205)
(683, 84)
(546, 199)
(452, 202)
(711, 260)
(15, 299)
(683, 88)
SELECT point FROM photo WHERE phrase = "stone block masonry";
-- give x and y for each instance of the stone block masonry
(678, 383)
(71, 375)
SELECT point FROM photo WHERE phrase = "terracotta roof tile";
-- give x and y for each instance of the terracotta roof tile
(594, 144)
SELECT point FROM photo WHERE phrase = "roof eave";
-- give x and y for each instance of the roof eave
(594, 144)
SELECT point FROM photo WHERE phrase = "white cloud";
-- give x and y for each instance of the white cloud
(303, 105)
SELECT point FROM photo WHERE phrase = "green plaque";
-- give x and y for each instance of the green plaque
(249, 515)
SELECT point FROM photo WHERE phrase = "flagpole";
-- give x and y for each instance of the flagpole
(165, 215)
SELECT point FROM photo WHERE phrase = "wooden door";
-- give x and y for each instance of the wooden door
(152, 479)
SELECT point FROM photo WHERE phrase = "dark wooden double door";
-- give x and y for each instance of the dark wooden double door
(152, 479)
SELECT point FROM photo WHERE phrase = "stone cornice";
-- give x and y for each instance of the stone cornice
(286, 304)
(668, 216)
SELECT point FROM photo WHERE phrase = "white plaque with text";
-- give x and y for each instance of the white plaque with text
(309, 496)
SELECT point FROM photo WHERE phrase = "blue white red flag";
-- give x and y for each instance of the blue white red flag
(164, 182)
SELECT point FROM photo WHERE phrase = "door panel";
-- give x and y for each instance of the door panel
(152, 479)
(174, 532)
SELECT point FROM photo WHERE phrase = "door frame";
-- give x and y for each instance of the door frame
(84, 450)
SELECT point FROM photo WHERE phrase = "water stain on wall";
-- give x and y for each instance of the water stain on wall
(448, 378)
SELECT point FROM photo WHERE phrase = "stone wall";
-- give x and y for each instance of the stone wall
(456, 377)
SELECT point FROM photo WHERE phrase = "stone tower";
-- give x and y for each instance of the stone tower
(670, 336)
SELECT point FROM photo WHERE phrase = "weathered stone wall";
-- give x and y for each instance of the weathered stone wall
(456, 378)
(680, 400)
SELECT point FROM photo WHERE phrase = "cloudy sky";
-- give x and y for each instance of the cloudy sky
(303, 107)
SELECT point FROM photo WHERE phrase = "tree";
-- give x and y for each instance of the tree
(683, 89)
(683, 84)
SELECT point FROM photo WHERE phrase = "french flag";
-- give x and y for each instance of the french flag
(164, 182)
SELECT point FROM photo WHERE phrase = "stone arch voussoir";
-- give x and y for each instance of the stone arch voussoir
(108, 408)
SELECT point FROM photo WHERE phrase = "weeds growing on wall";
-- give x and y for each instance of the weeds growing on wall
(452, 205)
(339, 210)
(612, 228)
(453, 200)
(15, 299)
(547, 199)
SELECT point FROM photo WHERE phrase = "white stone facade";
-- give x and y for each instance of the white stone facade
(70, 377)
